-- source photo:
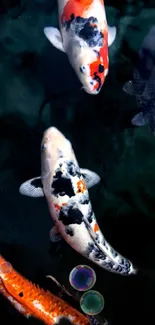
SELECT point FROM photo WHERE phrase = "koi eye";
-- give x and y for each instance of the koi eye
(82, 277)
(92, 302)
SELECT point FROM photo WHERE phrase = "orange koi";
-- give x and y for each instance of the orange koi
(30, 300)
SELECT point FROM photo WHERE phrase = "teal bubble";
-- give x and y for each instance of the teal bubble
(92, 302)
(82, 277)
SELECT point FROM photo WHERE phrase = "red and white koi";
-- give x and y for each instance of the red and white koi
(65, 187)
(30, 300)
(84, 36)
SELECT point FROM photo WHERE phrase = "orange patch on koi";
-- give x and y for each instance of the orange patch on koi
(76, 7)
(57, 207)
(96, 227)
(102, 59)
(81, 185)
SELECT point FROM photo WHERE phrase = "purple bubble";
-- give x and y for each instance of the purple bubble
(82, 277)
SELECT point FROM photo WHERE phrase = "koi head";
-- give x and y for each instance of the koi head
(54, 146)
(89, 63)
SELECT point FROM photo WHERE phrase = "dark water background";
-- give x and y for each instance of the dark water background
(38, 88)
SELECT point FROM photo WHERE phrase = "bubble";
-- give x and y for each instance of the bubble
(92, 302)
(5, 267)
(82, 277)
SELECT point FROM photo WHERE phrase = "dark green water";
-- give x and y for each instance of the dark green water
(38, 88)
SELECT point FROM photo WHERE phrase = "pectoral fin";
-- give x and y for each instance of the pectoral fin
(54, 36)
(138, 120)
(55, 235)
(90, 177)
(128, 88)
(111, 35)
(33, 188)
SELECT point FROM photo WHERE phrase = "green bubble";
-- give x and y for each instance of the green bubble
(92, 302)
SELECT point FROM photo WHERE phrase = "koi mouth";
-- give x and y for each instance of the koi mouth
(91, 91)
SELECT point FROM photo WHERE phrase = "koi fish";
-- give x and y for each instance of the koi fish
(30, 300)
(84, 36)
(143, 84)
(65, 187)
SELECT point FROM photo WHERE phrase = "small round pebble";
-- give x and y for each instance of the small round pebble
(82, 277)
(92, 302)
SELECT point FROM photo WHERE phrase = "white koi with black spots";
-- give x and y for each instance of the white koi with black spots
(65, 187)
